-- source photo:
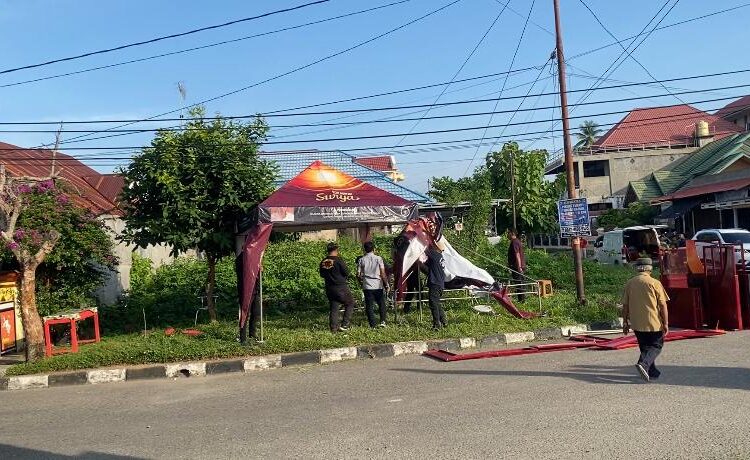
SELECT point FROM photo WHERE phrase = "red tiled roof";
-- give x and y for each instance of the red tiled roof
(38, 163)
(381, 163)
(662, 126)
(739, 105)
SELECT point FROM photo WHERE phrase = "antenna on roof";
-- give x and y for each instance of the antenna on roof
(54, 149)
(183, 95)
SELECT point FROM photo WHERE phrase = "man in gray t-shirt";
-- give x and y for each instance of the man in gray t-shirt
(372, 277)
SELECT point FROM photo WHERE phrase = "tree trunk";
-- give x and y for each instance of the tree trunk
(32, 322)
(210, 285)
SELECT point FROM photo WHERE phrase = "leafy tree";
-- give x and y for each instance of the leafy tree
(475, 189)
(479, 193)
(636, 214)
(188, 189)
(53, 241)
(450, 191)
(536, 197)
(587, 134)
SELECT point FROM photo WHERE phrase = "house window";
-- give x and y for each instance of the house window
(599, 206)
(597, 168)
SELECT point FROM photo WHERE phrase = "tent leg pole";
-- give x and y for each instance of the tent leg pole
(260, 299)
(419, 296)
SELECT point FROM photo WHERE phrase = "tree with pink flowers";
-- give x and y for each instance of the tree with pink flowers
(41, 226)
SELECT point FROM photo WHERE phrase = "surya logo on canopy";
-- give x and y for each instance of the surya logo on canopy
(336, 195)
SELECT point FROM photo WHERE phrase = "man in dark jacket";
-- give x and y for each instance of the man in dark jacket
(334, 272)
(436, 284)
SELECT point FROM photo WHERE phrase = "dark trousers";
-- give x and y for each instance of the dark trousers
(372, 297)
(337, 296)
(436, 308)
(650, 344)
(519, 277)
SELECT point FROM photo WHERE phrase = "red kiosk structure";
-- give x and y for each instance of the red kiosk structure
(710, 291)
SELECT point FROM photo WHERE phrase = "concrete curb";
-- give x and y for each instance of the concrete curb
(261, 363)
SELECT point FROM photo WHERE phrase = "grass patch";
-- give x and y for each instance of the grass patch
(296, 319)
(308, 330)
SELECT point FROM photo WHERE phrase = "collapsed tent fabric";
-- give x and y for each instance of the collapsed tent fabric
(248, 264)
(410, 247)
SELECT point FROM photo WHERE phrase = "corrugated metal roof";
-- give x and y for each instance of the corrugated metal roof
(292, 163)
(710, 159)
(740, 105)
(381, 163)
(672, 125)
(20, 161)
(710, 188)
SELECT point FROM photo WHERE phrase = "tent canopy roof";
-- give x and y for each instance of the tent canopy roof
(322, 197)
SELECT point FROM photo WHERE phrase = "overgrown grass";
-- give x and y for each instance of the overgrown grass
(297, 319)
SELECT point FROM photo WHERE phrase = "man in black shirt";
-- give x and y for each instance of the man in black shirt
(436, 284)
(334, 272)
(516, 260)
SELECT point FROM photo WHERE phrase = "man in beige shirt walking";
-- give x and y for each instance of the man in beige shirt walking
(644, 308)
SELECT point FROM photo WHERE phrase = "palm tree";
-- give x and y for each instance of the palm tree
(587, 134)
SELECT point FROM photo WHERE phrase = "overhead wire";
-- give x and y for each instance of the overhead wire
(162, 38)
(640, 122)
(298, 68)
(512, 62)
(633, 58)
(627, 49)
(455, 75)
(201, 47)
(513, 112)
(385, 108)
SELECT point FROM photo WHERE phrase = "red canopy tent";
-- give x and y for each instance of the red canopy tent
(320, 197)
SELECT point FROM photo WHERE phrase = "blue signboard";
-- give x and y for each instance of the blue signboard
(574, 217)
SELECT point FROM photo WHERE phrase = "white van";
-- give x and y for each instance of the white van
(626, 245)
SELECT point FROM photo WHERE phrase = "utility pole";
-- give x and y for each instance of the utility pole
(513, 189)
(569, 175)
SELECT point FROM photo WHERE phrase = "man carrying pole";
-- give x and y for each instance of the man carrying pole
(644, 308)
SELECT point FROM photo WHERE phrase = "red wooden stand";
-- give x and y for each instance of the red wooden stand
(71, 319)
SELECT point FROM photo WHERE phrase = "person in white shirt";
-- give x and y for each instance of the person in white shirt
(374, 282)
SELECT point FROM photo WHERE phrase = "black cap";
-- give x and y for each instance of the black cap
(332, 246)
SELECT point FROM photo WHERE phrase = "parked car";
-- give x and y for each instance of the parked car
(737, 236)
(622, 246)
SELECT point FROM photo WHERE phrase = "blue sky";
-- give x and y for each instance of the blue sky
(426, 52)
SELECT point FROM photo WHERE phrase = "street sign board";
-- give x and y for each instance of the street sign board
(574, 217)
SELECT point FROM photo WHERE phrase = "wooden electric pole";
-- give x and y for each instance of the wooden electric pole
(513, 189)
(569, 175)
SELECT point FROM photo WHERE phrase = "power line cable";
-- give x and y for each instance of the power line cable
(455, 75)
(623, 47)
(196, 48)
(626, 50)
(518, 109)
(163, 37)
(296, 69)
(640, 122)
(512, 62)
(386, 108)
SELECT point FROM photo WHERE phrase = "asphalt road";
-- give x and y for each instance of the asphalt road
(575, 404)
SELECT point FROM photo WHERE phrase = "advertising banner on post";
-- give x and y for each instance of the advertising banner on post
(573, 217)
